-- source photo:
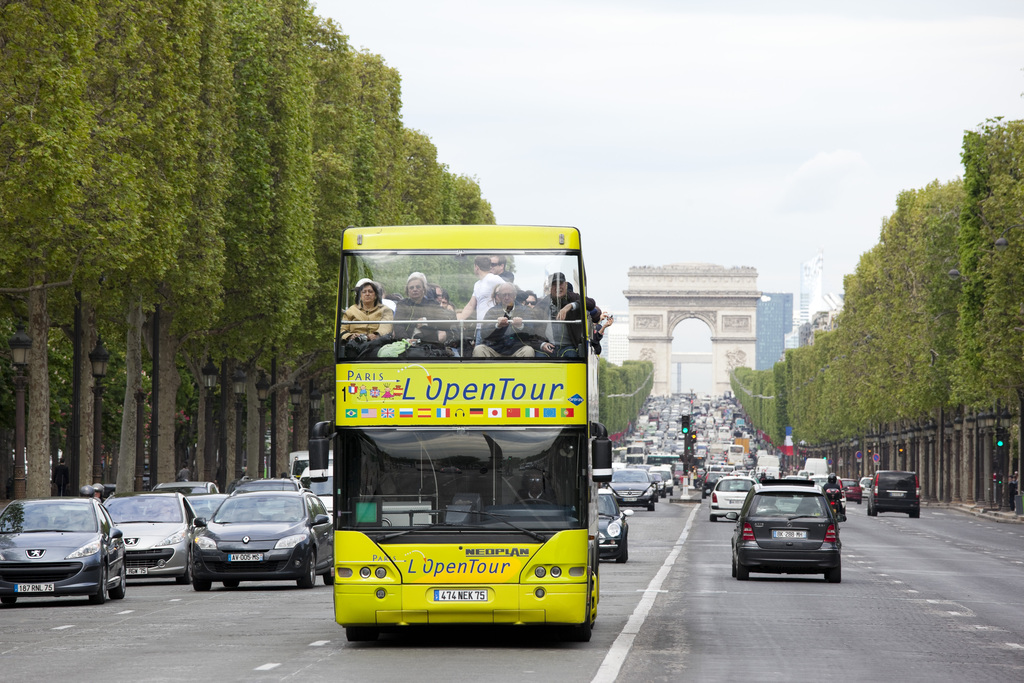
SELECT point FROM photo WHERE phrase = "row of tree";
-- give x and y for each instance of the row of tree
(933, 319)
(178, 172)
(623, 390)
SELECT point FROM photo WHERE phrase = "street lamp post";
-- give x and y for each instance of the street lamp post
(20, 344)
(296, 394)
(315, 397)
(262, 391)
(99, 357)
(210, 382)
(239, 386)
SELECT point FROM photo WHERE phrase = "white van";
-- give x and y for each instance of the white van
(816, 467)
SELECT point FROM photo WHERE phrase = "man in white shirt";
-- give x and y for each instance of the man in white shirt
(483, 291)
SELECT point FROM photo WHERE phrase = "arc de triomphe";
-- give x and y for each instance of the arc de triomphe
(725, 299)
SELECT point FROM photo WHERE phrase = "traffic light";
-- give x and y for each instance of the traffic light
(684, 425)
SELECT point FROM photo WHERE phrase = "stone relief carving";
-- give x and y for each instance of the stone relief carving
(647, 322)
(735, 358)
(647, 353)
(736, 323)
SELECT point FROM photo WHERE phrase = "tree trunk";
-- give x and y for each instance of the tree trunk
(37, 414)
(129, 411)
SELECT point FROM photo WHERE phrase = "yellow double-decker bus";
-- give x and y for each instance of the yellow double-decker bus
(466, 445)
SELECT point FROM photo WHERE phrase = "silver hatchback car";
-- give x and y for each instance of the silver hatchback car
(158, 531)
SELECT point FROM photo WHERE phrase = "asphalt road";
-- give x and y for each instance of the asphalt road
(940, 598)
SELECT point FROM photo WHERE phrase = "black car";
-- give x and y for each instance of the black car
(60, 546)
(710, 479)
(634, 487)
(786, 527)
(894, 491)
(612, 527)
(264, 536)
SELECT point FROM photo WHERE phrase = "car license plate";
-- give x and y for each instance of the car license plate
(897, 494)
(137, 571)
(789, 533)
(629, 498)
(245, 557)
(33, 588)
(460, 596)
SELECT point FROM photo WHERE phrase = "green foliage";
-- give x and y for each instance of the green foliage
(623, 390)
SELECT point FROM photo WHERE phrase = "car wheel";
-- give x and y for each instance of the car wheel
(712, 518)
(8, 599)
(651, 505)
(859, 502)
(361, 634)
(623, 551)
(872, 512)
(915, 514)
(834, 575)
(309, 580)
(201, 585)
(122, 585)
(233, 583)
(186, 576)
(100, 596)
(742, 573)
(734, 567)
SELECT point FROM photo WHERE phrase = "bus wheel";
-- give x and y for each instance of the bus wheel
(361, 634)
(581, 633)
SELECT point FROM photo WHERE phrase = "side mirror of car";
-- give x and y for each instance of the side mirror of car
(116, 533)
(627, 512)
(321, 519)
(733, 516)
(200, 521)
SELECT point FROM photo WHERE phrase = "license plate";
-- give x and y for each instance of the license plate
(137, 571)
(897, 494)
(33, 588)
(789, 533)
(629, 498)
(460, 596)
(245, 557)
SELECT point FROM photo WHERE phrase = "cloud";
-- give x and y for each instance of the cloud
(820, 183)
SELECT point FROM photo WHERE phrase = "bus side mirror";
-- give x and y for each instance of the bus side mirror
(601, 452)
(319, 448)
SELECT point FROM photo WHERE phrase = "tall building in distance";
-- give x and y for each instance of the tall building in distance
(810, 288)
(615, 345)
(774, 321)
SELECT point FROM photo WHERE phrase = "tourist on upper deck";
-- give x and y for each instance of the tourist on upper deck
(371, 315)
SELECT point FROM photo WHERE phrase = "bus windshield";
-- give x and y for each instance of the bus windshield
(460, 305)
(445, 478)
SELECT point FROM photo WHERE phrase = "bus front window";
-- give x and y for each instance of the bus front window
(459, 478)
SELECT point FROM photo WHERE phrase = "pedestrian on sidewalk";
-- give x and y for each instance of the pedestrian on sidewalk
(1014, 484)
(61, 478)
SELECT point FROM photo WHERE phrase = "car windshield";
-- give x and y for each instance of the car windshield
(252, 507)
(184, 487)
(849, 482)
(267, 485)
(606, 505)
(322, 488)
(630, 476)
(46, 515)
(155, 508)
(785, 504)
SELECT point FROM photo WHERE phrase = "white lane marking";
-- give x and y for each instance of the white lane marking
(267, 667)
(174, 600)
(127, 611)
(319, 643)
(911, 590)
(1015, 646)
(61, 628)
(616, 657)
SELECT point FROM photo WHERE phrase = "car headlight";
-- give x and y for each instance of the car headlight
(290, 541)
(174, 539)
(614, 529)
(206, 543)
(90, 548)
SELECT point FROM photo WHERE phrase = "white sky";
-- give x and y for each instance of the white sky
(742, 133)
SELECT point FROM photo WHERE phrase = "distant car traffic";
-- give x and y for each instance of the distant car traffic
(786, 528)
(852, 489)
(634, 487)
(729, 494)
(187, 487)
(613, 528)
(53, 547)
(157, 528)
(264, 536)
(894, 491)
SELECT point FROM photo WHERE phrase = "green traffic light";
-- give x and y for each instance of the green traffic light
(999, 443)
(687, 429)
